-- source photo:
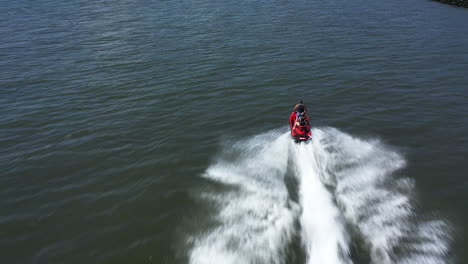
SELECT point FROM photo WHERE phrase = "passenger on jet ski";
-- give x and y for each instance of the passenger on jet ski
(299, 123)
(300, 110)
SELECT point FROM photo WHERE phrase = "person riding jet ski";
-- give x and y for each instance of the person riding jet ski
(300, 108)
(299, 123)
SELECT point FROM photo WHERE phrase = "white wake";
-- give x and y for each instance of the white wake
(350, 191)
(323, 233)
(376, 199)
(256, 217)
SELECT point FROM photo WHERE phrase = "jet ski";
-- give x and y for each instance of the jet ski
(301, 132)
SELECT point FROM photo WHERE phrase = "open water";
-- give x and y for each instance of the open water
(156, 132)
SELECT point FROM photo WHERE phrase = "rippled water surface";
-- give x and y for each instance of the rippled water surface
(155, 132)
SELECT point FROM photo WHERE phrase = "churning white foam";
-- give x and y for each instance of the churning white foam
(342, 181)
(376, 200)
(256, 218)
(323, 233)
(427, 243)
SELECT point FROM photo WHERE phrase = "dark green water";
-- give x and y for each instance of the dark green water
(156, 132)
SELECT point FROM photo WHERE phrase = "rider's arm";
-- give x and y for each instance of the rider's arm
(296, 124)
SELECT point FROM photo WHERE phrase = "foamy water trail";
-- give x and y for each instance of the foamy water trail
(376, 200)
(342, 182)
(323, 233)
(256, 218)
(428, 243)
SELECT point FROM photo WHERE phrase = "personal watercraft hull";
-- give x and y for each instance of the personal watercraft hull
(300, 138)
(299, 134)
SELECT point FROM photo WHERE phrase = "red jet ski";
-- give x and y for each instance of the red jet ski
(302, 131)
